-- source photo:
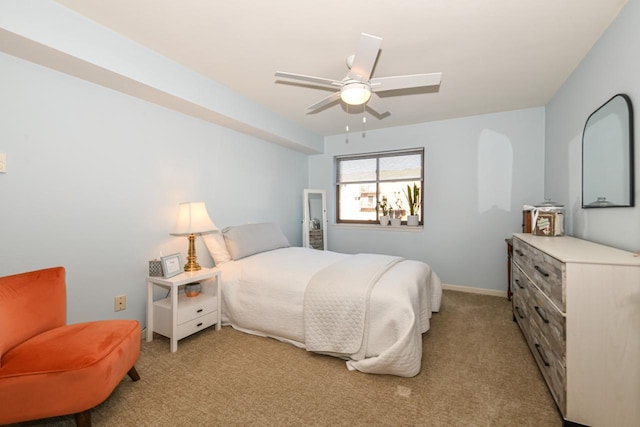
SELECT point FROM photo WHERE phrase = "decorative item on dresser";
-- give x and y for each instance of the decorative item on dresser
(578, 306)
(544, 219)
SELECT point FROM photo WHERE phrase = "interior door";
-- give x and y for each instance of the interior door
(314, 222)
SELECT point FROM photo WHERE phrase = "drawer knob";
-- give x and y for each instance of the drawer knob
(198, 325)
(542, 314)
(542, 356)
(518, 283)
(199, 310)
(519, 252)
(541, 270)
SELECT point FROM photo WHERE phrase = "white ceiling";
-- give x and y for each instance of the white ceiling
(494, 55)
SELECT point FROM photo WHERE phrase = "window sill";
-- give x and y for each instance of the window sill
(378, 227)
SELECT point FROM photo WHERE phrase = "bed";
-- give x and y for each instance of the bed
(366, 308)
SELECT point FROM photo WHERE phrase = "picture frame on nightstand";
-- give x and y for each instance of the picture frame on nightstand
(171, 265)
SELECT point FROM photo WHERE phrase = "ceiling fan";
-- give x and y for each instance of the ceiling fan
(358, 87)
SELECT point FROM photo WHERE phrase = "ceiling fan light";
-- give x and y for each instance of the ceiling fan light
(355, 93)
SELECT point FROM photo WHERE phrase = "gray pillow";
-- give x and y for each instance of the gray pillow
(250, 239)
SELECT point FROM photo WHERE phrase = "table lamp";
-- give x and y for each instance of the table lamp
(193, 219)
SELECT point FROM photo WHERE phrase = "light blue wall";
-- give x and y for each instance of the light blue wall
(612, 66)
(479, 172)
(95, 177)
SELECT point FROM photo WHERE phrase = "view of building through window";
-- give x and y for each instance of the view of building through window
(364, 181)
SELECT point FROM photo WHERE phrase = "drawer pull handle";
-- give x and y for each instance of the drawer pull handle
(542, 356)
(199, 310)
(541, 314)
(541, 271)
(519, 312)
(198, 325)
(519, 252)
(518, 283)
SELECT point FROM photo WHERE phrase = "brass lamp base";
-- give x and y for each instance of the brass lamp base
(192, 264)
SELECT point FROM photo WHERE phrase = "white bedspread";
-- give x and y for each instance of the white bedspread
(264, 295)
(336, 303)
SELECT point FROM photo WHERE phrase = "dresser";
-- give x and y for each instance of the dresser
(315, 239)
(578, 306)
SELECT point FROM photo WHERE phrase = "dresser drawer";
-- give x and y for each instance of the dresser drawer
(545, 271)
(519, 283)
(553, 369)
(520, 297)
(550, 323)
(521, 314)
(543, 327)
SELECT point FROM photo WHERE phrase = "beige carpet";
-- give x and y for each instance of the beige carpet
(476, 371)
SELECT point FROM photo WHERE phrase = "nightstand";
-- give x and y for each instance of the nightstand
(179, 316)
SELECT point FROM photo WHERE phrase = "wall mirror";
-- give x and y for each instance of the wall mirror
(314, 222)
(607, 155)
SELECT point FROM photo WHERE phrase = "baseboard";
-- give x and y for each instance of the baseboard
(483, 291)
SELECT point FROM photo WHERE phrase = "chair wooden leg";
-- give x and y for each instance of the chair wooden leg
(133, 374)
(83, 419)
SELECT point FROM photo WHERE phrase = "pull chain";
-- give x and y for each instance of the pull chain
(364, 122)
(347, 125)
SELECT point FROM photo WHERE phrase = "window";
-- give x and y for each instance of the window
(364, 180)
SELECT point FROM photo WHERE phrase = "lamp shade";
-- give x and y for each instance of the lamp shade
(193, 219)
(355, 93)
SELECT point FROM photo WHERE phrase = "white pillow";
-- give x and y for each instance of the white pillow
(217, 248)
(250, 239)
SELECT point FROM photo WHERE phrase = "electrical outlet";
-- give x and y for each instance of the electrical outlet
(120, 303)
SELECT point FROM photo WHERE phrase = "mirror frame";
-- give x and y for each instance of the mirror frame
(307, 220)
(629, 143)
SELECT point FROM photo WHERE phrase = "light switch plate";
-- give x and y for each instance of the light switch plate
(3, 162)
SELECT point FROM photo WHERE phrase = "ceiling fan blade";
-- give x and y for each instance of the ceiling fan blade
(380, 84)
(323, 102)
(377, 104)
(365, 57)
(311, 79)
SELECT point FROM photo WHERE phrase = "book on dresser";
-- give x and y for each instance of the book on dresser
(578, 306)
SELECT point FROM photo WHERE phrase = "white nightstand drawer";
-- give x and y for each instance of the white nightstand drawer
(188, 308)
(196, 325)
(162, 323)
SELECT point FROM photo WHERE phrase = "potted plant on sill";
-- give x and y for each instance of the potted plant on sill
(413, 199)
(384, 208)
(398, 213)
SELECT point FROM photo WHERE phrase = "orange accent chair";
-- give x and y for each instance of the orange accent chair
(48, 368)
